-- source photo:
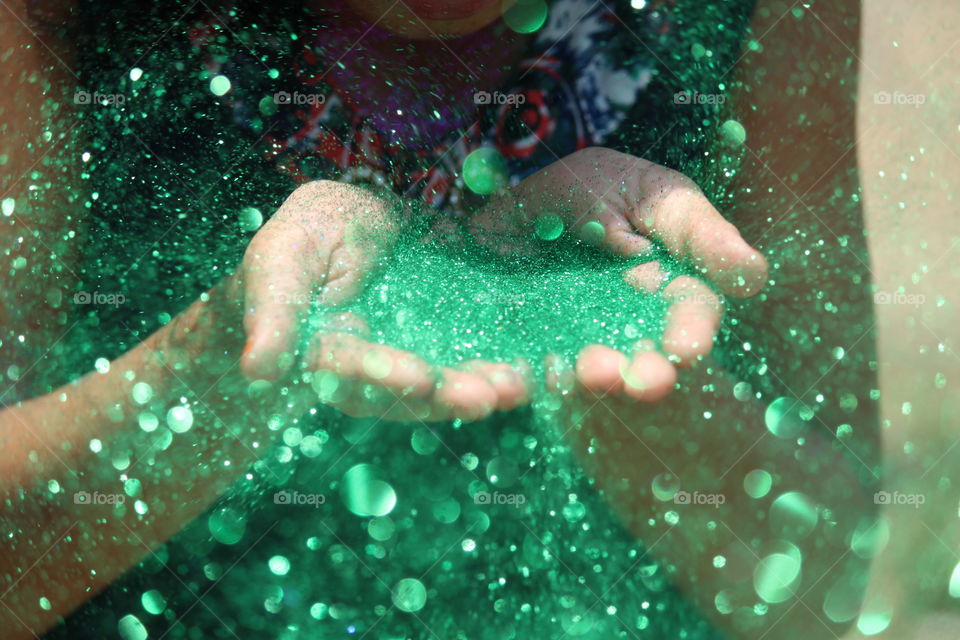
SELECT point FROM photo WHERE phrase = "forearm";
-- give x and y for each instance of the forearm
(708, 458)
(110, 436)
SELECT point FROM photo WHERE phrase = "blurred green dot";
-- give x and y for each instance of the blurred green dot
(226, 526)
(279, 565)
(526, 16)
(548, 227)
(409, 595)
(381, 528)
(130, 628)
(757, 483)
(485, 171)
(153, 602)
(365, 493)
(733, 133)
(219, 85)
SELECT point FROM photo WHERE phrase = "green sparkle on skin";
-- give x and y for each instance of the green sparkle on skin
(872, 622)
(548, 227)
(665, 486)
(45, 604)
(485, 171)
(142, 393)
(102, 365)
(793, 516)
(180, 419)
(279, 565)
(409, 595)
(784, 418)
(148, 421)
(775, 577)
(132, 487)
(153, 602)
(592, 233)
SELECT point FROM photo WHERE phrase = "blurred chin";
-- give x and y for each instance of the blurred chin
(424, 19)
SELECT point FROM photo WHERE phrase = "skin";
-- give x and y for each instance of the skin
(231, 353)
(621, 379)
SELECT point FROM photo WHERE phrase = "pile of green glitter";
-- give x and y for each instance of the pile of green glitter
(451, 304)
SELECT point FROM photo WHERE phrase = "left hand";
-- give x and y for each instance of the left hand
(622, 205)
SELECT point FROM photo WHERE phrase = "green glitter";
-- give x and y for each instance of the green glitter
(733, 133)
(180, 419)
(219, 85)
(526, 16)
(365, 493)
(409, 595)
(153, 602)
(130, 628)
(793, 516)
(757, 483)
(485, 171)
(456, 304)
(548, 227)
(226, 526)
(279, 565)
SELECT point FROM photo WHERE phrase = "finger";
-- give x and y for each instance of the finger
(511, 383)
(675, 212)
(280, 268)
(613, 233)
(693, 319)
(649, 376)
(355, 360)
(462, 395)
(599, 369)
(648, 277)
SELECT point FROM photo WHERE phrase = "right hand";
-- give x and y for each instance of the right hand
(325, 241)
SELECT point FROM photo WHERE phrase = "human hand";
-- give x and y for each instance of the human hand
(623, 205)
(322, 245)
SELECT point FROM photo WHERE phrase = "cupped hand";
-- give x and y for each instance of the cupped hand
(625, 206)
(320, 249)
